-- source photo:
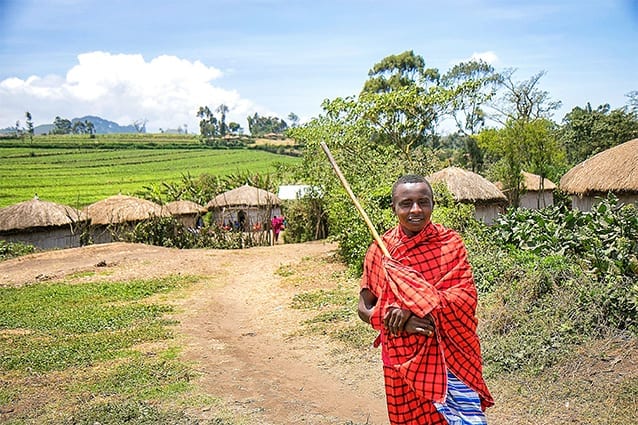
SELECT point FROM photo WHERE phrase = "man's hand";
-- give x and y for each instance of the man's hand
(418, 325)
(395, 319)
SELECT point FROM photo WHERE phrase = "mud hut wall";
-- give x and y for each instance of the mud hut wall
(586, 202)
(255, 217)
(46, 238)
(110, 233)
(187, 220)
(531, 200)
(487, 213)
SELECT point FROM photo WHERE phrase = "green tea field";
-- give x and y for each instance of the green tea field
(78, 171)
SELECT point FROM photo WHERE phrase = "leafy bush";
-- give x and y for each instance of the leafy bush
(305, 220)
(14, 249)
(604, 240)
(170, 233)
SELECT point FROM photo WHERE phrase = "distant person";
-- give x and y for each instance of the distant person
(276, 223)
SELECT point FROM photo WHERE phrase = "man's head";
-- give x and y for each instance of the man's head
(412, 202)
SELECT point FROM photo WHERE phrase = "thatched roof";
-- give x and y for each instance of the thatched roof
(184, 208)
(467, 186)
(37, 213)
(244, 196)
(613, 170)
(122, 209)
(532, 183)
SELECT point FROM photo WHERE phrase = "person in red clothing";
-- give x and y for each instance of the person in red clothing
(423, 301)
(277, 224)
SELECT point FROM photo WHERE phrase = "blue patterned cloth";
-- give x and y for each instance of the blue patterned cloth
(462, 405)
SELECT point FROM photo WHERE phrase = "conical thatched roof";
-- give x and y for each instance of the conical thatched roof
(467, 186)
(184, 208)
(532, 183)
(244, 196)
(613, 170)
(37, 213)
(122, 209)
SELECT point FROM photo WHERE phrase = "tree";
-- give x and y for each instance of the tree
(235, 128)
(223, 110)
(61, 126)
(633, 102)
(294, 119)
(521, 146)
(29, 122)
(397, 71)
(586, 131)
(208, 126)
(472, 84)
(90, 128)
(79, 127)
(403, 101)
(140, 125)
(258, 125)
(523, 100)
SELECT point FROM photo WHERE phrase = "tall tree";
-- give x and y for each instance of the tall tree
(222, 110)
(140, 125)
(586, 131)
(29, 122)
(397, 71)
(294, 119)
(208, 126)
(403, 101)
(521, 146)
(61, 126)
(523, 100)
(260, 125)
(472, 84)
(632, 105)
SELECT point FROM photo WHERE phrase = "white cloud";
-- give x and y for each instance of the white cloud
(488, 57)
(166, 91)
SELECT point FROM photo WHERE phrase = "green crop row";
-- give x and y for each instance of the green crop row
(78, 176)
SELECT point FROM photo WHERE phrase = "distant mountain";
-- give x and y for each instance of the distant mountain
(101, 125)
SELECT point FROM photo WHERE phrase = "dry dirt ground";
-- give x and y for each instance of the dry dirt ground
(236, 326)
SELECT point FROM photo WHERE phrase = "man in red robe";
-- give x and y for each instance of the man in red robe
(423, 301)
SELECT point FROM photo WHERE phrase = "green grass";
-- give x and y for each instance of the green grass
(78, 171)
(57, 326)
(79, 342)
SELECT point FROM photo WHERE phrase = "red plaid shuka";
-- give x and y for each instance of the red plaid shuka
(428, 273)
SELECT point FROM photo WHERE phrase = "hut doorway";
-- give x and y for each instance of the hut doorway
(241, 218)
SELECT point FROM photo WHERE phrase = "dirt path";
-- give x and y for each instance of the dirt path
(236, 327)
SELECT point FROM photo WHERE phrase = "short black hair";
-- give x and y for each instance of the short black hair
(411, 178)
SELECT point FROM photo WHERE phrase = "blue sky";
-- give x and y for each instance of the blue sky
(159, 61)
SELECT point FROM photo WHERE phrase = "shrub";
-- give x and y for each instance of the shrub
(14, 249)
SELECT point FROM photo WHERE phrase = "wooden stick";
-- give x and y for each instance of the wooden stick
(346, 186)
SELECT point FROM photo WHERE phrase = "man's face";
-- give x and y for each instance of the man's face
(412, 203)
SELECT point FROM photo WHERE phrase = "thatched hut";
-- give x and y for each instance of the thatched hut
(246, 208)
(471, 188)
(612, 171)
(45, 225)
(113, 216)
(535, 193)
(188, 213)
